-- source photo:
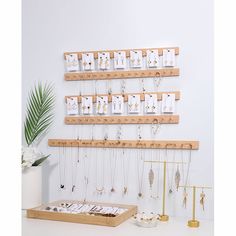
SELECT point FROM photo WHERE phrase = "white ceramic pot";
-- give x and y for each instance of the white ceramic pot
(31, 187)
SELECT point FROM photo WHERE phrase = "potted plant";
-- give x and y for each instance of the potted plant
(39, 117)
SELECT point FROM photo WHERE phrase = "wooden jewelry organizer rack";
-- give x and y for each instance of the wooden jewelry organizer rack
(142, 144)
(124, 74)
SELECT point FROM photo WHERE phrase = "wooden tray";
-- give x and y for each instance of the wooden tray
(40, 213)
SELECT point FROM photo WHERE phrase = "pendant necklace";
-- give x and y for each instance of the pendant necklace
(126, 161)
(62, 166)
(74, 163)
(169, 175)
(113, 170)
(151, 173)
(158, 175)
(202, 199)
(140, 162)
(99, 190)
(86, 166)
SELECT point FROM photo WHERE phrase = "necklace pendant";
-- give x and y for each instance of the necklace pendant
(73, 188)
(125, 190)
(140, 195)
(112, 190)
(170, 191)
(62, 186)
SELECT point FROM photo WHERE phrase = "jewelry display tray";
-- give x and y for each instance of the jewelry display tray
(40, 213)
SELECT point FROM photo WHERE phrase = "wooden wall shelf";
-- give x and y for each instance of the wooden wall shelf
(106, 75)
(143, 144)
(142, 96)
(83, 120)
(160, 52)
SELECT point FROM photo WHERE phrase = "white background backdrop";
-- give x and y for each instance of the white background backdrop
(53, 27)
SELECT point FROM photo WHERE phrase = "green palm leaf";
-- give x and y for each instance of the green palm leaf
(39, 112)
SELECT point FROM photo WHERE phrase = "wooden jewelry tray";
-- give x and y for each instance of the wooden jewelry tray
(83, 218)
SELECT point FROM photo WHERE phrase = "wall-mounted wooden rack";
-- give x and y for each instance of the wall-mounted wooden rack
(142, 144)
(142, 96)
(160, 52)
(105, 75)
(161, 119)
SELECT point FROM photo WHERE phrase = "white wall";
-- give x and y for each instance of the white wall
(53, 27)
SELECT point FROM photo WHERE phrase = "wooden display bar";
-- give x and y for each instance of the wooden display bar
(142, 96)
(143, 144)
(83, 120)
(144, 50)
(106, 75)
(83, 218)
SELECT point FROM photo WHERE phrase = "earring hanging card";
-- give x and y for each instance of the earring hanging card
(153, 59)
(117, 104)
(168, 57)
(150, 103)
(136, 59)
(72, 106)
(72, 62)
(104, 61)
(120, 60)
(87, 105)
(88, 61)
(102, 104)
(134, 103)
(168, 103)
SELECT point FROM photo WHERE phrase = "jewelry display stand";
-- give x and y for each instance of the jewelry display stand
(146, 144)
(161, 119)
(193, 223)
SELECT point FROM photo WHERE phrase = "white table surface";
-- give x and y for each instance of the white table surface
(175, 226)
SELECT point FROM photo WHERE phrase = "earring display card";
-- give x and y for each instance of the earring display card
(136, 59)
(72, 62)
(87, 105)
(102, 104)
(150, 103)
(104, 61)
(153, 59)
(168, 57)
(134, 103)
(168, 103)
(117, 104)
(72, 106)
(120, 60)
(88, 61)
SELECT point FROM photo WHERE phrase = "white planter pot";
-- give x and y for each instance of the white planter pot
(31, 187)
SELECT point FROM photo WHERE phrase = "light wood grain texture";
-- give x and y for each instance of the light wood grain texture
(38, 213)
(142, 144)
(161, 119)
(142, 96)
(106, 75)
(160, 52)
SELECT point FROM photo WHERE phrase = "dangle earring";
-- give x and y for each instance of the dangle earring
(177, 178)
(185, 195)
(202, 199)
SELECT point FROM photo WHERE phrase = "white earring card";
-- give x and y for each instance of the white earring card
(88, 61)
(136, 59)
(120, 60)
(72, 62)
(168, 57)
(150, 103)
(72, 106)
(117, 104)
(168, 103)
(87, 105)
(134, 103)
(153, 59)
(102, 104)
(104, 61)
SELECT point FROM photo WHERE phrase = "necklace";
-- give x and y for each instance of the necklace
(86, 174)
(140, 174)
(157, 81)
(126, 161)
(62, 166)
(158, 176)
(73, 169)
(113, 170)
(99, 190)
(170, 178)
